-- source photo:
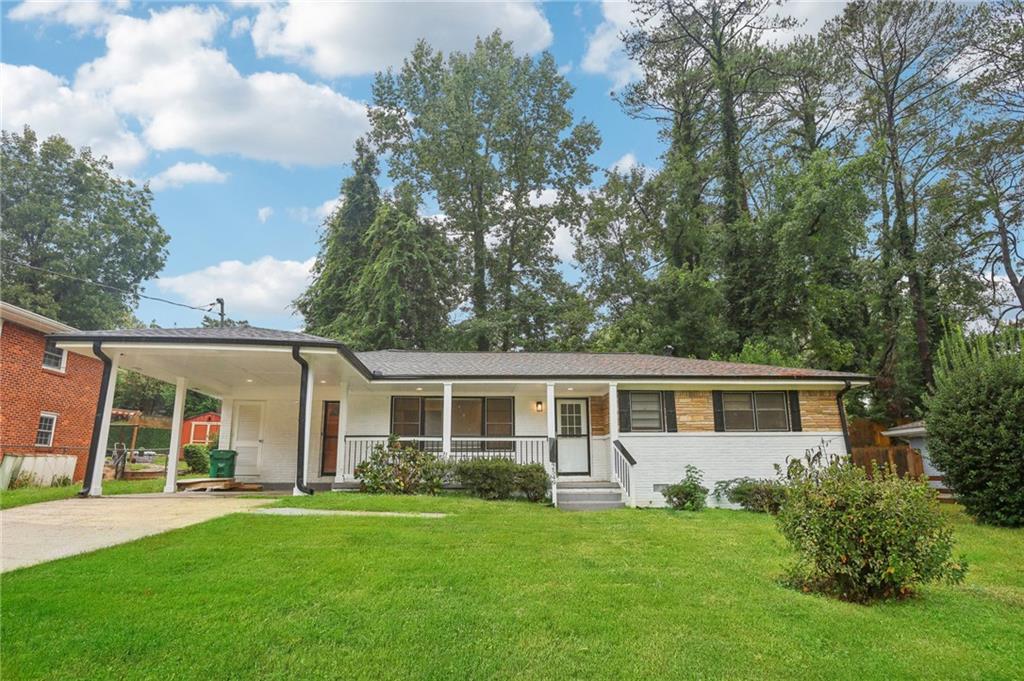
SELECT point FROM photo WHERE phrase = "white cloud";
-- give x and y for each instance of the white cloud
(81, 14)
(604, 54)
(187, 95)
(266, 286)
(357, 38)
(240, 26)
(163, 75)
(625, 163)
(315, 214)
(180, 174)
(810, 15)
(35, 97)
(263, 214)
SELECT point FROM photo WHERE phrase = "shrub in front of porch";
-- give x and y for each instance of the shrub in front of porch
(688, 494)
(500, 478)
(863, 539)
(397, 468)
(760, 496)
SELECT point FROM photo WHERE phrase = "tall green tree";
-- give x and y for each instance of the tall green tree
(328, 305)
(490, 137)
(66, 211)
(910, 59)
(404, 293)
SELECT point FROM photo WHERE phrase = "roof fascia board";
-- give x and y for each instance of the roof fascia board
(32, 320)
(623, 380)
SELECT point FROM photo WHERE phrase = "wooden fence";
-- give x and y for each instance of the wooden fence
(901, 458)
(869, 445)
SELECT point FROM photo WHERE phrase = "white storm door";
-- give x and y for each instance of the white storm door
(573, 429)
(248, 437)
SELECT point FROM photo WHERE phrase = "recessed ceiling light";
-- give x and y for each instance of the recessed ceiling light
(570, 388)
(322, 380)
(248, 380)
(419, 389)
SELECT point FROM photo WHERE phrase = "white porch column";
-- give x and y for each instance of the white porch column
(339, 461)
(306, 432)
(550, 406)
(96, 488)
(177, 414)
(446, 420)
(613, 426)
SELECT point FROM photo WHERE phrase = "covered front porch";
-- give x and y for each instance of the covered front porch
(302, 415)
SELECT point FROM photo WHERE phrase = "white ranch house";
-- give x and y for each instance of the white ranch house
(611, 428)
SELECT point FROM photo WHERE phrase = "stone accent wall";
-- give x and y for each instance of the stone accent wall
(599, 415)
(818, 411)
(695, 412)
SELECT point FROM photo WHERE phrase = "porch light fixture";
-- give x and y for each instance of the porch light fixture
(539, 407)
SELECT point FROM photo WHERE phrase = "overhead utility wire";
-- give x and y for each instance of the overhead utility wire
(207, 308)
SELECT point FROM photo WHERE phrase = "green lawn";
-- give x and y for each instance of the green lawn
(495, 590)
(34, 495)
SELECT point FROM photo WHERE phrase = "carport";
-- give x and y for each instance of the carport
(222, 363)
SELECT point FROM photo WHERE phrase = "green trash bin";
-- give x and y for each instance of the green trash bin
(222, 463)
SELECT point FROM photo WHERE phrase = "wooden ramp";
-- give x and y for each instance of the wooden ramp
(217, 485)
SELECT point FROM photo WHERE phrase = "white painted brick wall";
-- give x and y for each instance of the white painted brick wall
(661, 458)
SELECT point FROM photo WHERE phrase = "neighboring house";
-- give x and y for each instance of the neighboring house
(47, 396)
(201, 429)
(916, 435)
(303, 411)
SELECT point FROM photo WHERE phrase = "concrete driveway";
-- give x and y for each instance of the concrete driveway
(54, 529)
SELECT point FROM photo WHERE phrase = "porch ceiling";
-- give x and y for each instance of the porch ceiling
(222, 370)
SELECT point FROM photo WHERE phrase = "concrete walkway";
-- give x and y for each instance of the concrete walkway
(54, 529)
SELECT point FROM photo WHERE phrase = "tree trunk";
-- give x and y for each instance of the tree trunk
(907, 250)
(478, 291)
(1005, 253)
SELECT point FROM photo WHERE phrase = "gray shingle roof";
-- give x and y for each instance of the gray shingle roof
(237, 334)
(395, 364)
(415, 364)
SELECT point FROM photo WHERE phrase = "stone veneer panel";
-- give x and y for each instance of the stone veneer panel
(695, 412)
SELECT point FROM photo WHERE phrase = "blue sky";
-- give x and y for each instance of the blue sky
(242, 115)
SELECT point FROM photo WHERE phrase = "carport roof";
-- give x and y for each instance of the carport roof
(231, 334)
(402, 364)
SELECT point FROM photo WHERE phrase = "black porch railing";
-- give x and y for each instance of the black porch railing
(521, 449)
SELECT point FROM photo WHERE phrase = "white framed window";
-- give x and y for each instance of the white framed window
(53, 357)
(44, 433)
(645, 412)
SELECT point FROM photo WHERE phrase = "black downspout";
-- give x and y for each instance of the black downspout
(97, 424)
(842, 417)
(300, 466)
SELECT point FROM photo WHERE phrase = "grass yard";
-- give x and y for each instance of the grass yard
(34, 495)
(495, 590)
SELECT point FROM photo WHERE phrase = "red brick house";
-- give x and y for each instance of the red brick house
(48, 396)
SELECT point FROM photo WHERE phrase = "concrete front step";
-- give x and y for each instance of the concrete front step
(588, 495)
(589, 505)
(587, 484)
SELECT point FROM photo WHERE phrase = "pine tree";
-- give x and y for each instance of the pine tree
(328, 304)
